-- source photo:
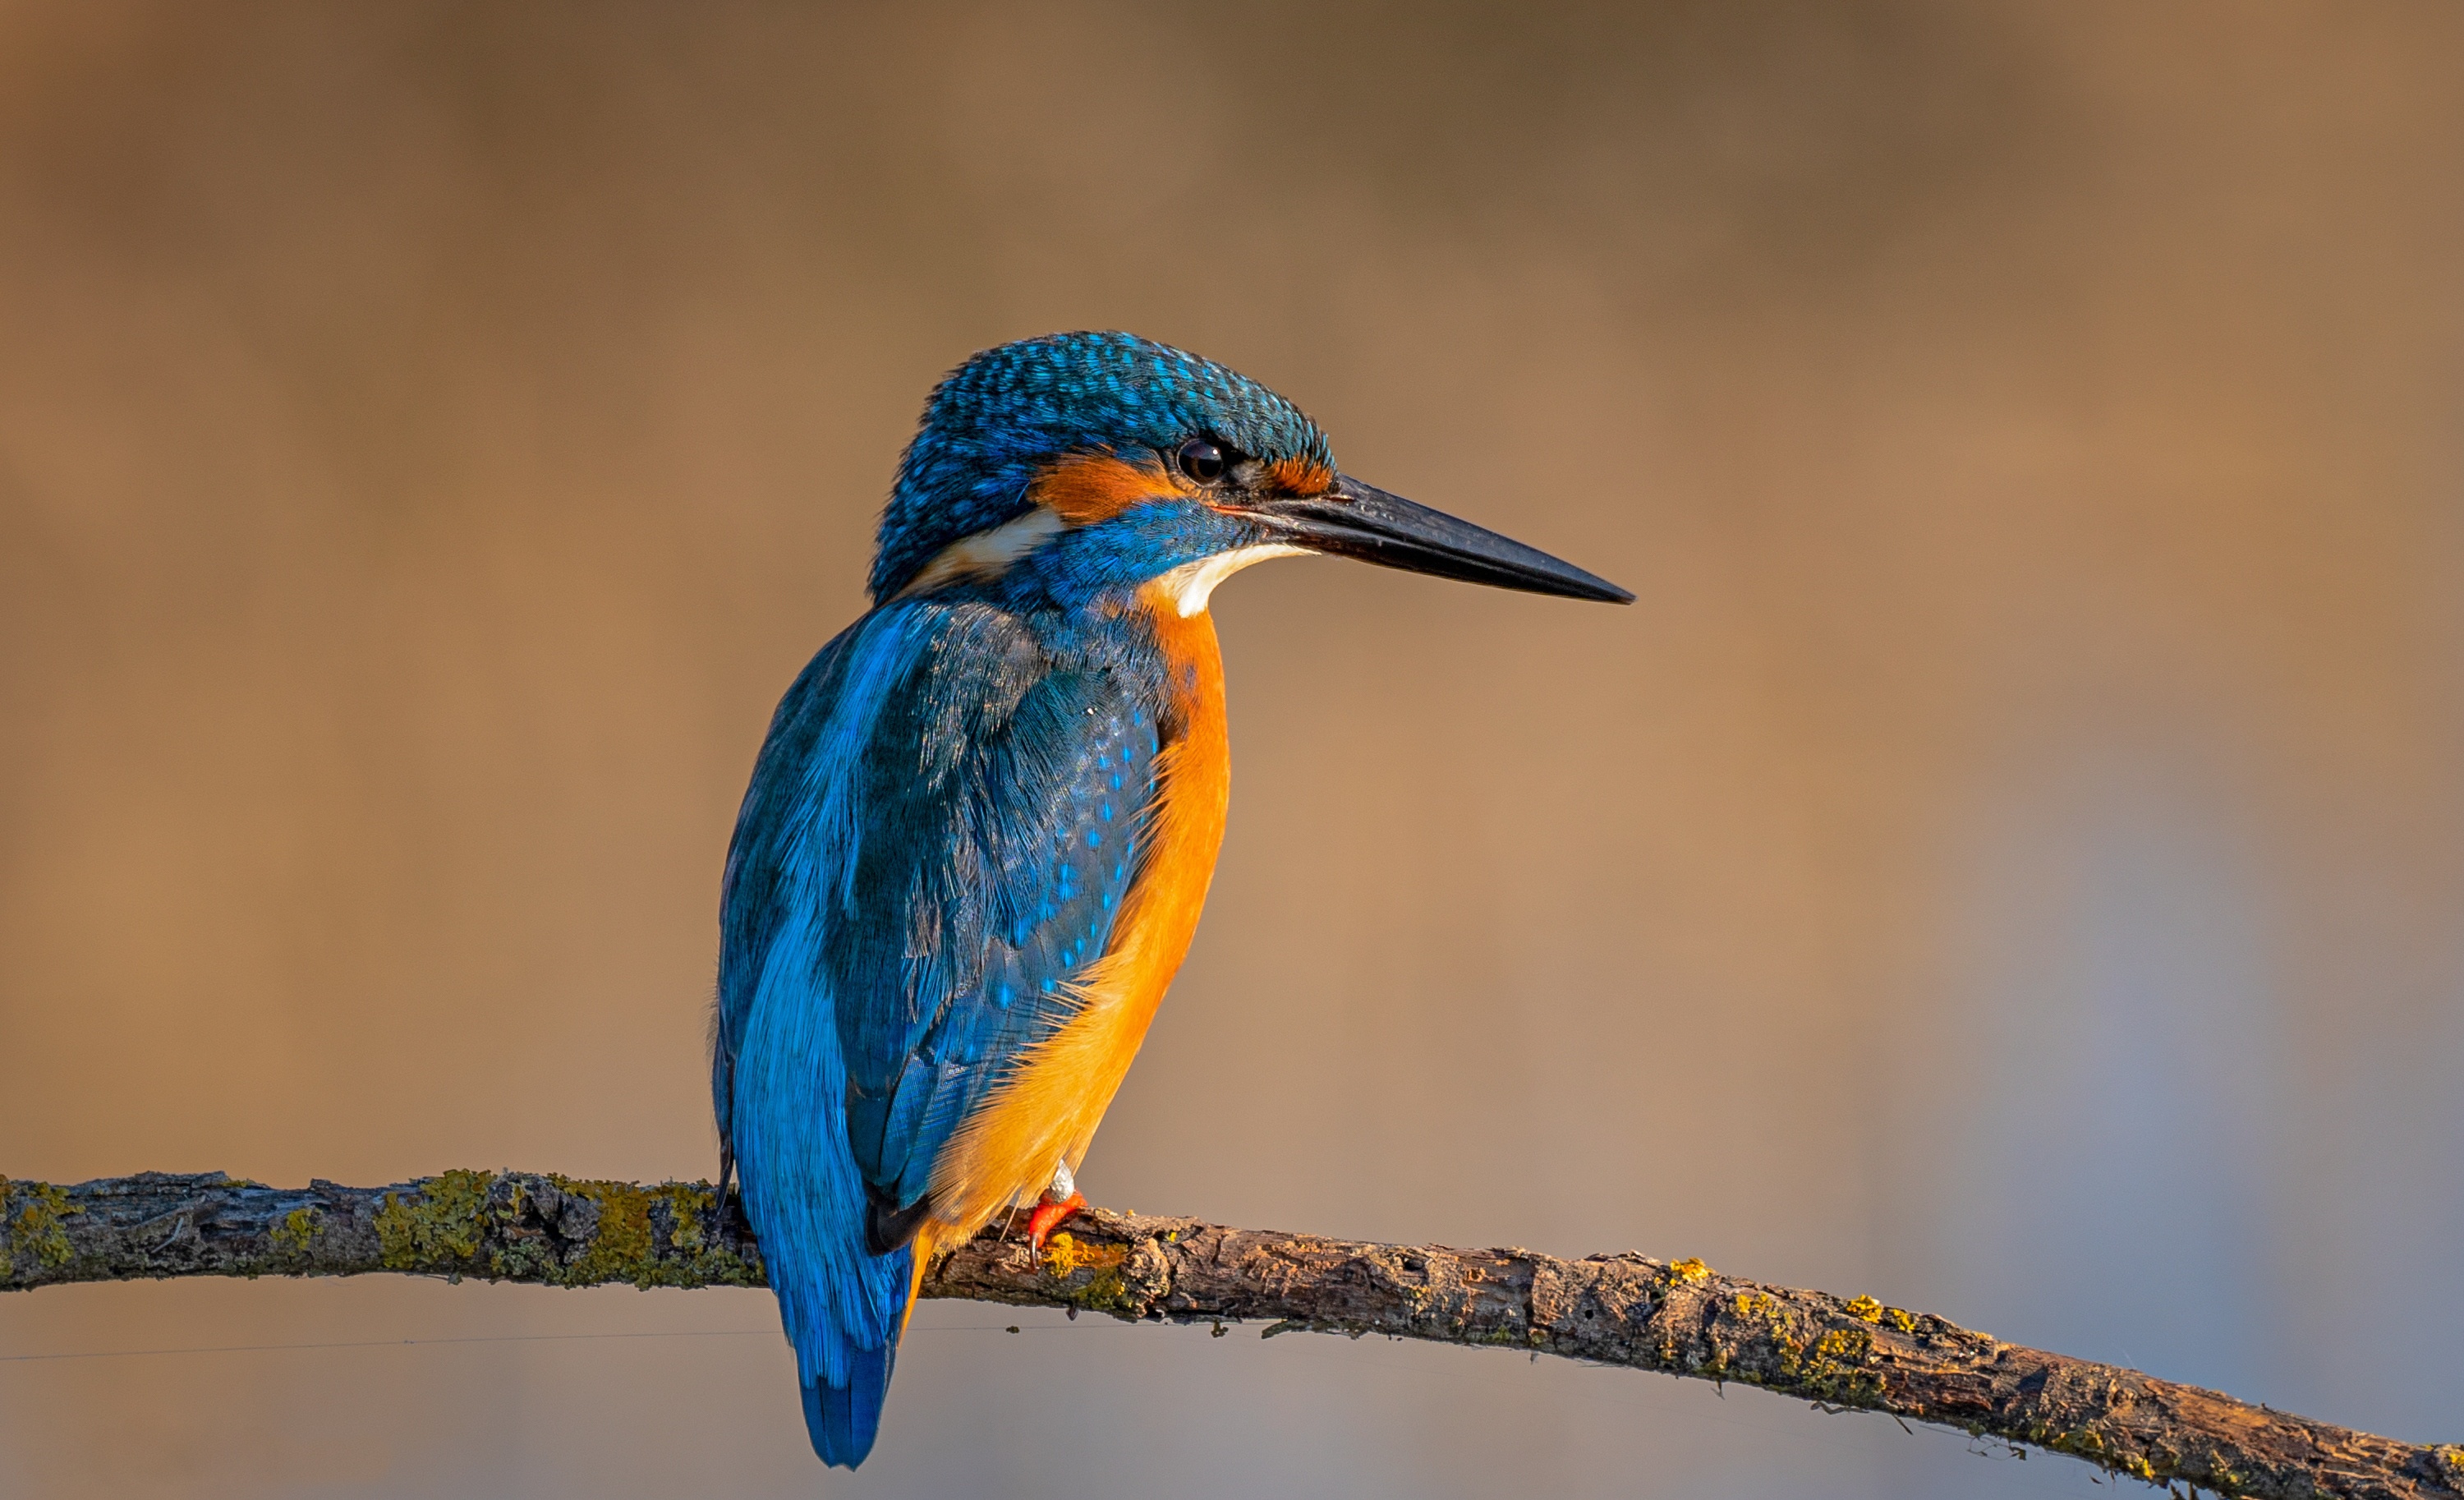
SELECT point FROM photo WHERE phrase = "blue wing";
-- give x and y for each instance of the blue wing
(940, 830)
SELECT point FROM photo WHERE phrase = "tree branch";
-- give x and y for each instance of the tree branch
(1682, 1318)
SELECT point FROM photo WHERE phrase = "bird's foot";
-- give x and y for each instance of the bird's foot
(1050, 1213)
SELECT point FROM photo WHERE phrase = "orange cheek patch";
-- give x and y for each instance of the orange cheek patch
(1300, 476)
(1086, 487)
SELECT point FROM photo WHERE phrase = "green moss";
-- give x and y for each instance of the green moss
(1105, 1290)
(1065, 1254)
(1829, 1369)
(298, 1231)
(441, 1230)
(36, 1226)
(693, 1260)
(621, 1249)
(688, 1204)
(2085, 1442)
(634, 1220)
(473, 1223)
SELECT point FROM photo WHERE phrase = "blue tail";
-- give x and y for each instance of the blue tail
(844, 1419)
(845, 1329)
(845, 1324)
(782, 1094)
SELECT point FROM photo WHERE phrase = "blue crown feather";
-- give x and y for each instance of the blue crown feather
(1002, 416)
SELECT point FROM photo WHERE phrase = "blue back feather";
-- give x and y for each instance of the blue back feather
(939, 832)
(943, 823)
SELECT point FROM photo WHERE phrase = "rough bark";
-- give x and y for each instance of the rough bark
(1680, 1317)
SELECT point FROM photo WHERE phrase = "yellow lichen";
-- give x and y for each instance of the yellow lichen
(1688, 1271)
(624, 1247)
(478, 1223)
(685, 1203)
(2085, 1442)
(1902, 1320)
(695, 1260)
(445, 1223)
(1831, 1366)
(1755, 1304)
(619, 1249)
(1065, 1255)
(298, 1230)
(1791, 1352)
(1107, 1290)
(36, 1225)
(1867, 1309)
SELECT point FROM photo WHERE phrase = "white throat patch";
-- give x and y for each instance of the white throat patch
(1191, 585)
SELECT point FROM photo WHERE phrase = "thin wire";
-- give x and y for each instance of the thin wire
(2044, 1478)
(496, 1338)
(1824, 1440)
(372, 1343)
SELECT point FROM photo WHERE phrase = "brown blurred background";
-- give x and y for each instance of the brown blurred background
(2011, 859)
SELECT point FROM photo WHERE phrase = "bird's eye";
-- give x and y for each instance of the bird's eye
(1202, 460)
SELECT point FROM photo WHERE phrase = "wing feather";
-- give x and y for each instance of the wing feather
(940, 827)
(964, 808)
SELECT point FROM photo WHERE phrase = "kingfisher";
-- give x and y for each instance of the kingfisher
(985, 817)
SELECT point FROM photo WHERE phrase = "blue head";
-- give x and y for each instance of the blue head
(1085, 466)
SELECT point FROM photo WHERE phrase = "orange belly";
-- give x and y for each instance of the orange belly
(1048, 1110)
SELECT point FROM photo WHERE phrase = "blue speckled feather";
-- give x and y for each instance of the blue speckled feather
(959, 794)
(1004, 413)
(938, 833)
(946, 817)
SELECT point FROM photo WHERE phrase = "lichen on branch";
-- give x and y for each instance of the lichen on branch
(1677, 1316)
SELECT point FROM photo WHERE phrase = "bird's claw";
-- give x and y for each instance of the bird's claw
(1050, 1213)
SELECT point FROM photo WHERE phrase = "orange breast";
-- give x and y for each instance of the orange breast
(1047, 1112)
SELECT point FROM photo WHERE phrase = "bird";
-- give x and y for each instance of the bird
(982, 824)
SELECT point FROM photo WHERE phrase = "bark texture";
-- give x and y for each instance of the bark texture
(1680, 1317)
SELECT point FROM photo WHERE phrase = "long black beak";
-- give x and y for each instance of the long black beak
(1358, 520)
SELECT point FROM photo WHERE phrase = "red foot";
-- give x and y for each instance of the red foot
(1049, 1215)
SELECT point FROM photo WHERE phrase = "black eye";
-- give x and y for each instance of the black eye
(1202, 460)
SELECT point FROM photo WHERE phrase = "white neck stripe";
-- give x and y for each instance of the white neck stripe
(987, 554)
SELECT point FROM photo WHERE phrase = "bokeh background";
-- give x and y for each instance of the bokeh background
(2010, 860)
